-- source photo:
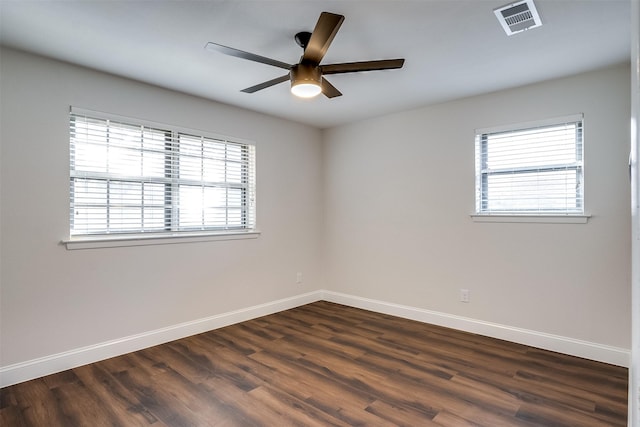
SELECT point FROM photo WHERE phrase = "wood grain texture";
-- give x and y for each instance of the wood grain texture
(324, 364)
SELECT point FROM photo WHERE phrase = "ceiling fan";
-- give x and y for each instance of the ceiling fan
(307, 76)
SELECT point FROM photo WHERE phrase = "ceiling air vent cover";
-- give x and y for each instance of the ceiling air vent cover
(517, 17)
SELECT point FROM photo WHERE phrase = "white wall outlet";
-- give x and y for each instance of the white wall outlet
(465, 295)
(298, 278)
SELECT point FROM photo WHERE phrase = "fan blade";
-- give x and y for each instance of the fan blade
(326, 28)
(329, 90)
(246, 55)
(353, 67)
(265, 85)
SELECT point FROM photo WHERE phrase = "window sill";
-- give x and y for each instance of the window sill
(117, 241)
(548, 219)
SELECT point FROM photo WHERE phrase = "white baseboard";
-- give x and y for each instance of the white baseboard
(47, 365)
(36, 368)
(574, 347)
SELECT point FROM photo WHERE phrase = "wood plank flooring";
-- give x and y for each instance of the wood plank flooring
(325, 364)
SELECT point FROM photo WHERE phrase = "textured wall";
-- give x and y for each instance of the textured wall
(399, 191)
(54, 300)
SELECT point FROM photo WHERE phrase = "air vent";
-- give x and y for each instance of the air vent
(518, 17)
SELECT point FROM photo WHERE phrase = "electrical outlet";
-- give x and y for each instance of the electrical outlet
(298, 278)
(465, 295)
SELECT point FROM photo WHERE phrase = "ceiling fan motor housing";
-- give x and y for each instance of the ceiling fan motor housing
(305, 74)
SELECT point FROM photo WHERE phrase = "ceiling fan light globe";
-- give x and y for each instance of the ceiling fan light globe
(306, 89)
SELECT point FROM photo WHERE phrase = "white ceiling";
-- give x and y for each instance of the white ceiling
(453, 48)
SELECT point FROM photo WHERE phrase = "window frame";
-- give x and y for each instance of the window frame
(171, 231)
(481, 211)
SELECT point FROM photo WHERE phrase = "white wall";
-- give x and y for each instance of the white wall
(55, 300)
(399, 191)
(634, 372)
(377, 209)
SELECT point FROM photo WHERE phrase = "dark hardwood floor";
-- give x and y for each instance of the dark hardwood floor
(325, 364)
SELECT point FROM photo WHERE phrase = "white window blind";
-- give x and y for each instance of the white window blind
(534, 169)
(130, 178)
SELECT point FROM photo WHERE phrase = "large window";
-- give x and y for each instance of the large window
(533, 169)
(133, 178)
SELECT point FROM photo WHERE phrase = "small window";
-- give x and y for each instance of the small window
(133, 178)
(534, 169)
